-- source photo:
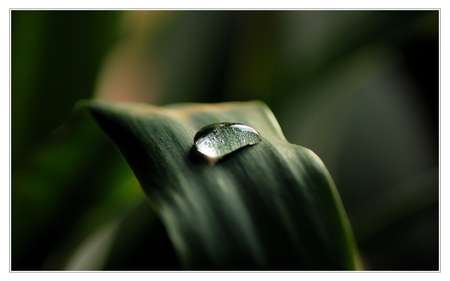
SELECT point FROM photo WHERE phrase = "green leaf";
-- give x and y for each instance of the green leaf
(269, 206)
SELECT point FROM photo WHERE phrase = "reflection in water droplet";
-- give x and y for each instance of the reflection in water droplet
(232, 136)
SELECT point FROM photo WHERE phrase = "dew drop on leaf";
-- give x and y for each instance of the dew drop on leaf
(219, 139)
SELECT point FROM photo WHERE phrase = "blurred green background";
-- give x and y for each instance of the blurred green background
(359, 88)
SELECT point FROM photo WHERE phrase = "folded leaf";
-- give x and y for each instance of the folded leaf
(269, 206)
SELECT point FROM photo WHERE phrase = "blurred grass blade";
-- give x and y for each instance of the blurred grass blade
(269, 206)
(92, 253)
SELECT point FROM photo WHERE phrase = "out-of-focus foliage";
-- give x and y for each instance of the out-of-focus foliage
(359, 88)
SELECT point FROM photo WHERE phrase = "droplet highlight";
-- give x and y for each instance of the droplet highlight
(219, 139)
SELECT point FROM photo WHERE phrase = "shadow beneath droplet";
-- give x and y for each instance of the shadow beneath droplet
(198, 159)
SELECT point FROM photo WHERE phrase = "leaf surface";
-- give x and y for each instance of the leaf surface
(268, 206)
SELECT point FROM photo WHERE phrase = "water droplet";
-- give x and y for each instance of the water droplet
(232, 136)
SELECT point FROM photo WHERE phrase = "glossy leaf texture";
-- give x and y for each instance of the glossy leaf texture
(270, 206)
